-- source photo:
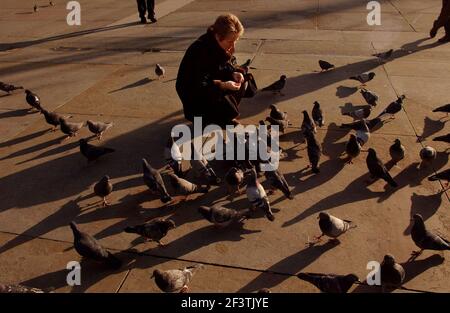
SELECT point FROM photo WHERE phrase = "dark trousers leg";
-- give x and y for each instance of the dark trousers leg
(151, 8)
(141, 8)
(444, 16)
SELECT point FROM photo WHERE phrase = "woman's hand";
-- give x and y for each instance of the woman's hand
(230, 85)
(238, 77)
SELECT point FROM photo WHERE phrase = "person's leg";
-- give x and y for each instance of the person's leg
(446, 13)
(141, 9)
(442, 19)
(151, 10)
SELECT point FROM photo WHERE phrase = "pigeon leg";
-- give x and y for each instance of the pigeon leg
(270, 191)
(185, 289)
(64, 139)
(415, 254)
(105, 203)
(160, 244)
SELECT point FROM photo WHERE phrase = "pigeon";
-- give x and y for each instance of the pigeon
(92, 152)
(424, 239)
(392, 274)
(33, 100)
(222, 217)
(277, 114)
(277, 86)
(155, 229)
(51, 3)
(52, 118)
(69, 128)
(264, 290)
(307, 125)
(173, 157)
(185, 187)
(175, 280)
(233, 179)
(360, 114)
(364, 77)
(202, 168)
(362, 130)
(246, 63)
(8, 88)
(370, 97)
(445, 109)
(330, 283)
(87, 246)
(377, 169)
(314, 151)
(394, 107)
(282, 124)
(397, 151)
(325, 66)
(317, 114)
(444, 175)
(332, 226)
(352, 148)
(384, 55)
(444, 138)
(5, 288)
(160, 71)
(98, 128)
(257, 196)
(103, 188)
(35, 8)
(373, 122)
(153, 180)
(277, 181)
(427, 155)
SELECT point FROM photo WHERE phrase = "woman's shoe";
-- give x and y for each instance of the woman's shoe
(444, 39)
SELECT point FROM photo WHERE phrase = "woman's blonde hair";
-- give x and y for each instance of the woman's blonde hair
(227, 24)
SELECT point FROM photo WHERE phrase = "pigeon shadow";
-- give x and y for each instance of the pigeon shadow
(38, 147)
(139, 83)
(22, 139)
(15, 113)
(426, 206)
(288, 267)
(344, 92)
(430, 128)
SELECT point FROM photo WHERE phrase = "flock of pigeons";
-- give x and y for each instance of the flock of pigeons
(246, 173)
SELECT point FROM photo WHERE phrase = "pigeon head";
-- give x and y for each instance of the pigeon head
(352, 278)
(283, 77)
(324, 216)
(397, 142)
(89, 122)
(74, 228)
(262, 122)
(27, 91)
(389, 259)
(205, 211)
(105, 178)
(272, 107)
(316, 104)
(43, 111)
(170, 224)
(417, 218)
(371, 75)
(372, 152)
(352, 137)
(158, 66)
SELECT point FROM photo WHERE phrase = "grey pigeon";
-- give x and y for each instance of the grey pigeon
(87, 246)
(52, 118)
(98, 128)
(377, 169)
(333, 226)
(444, 138)
(384, 55)
(8, 87)
(69, 128)
(392, 274)
(153, 180)
(427, 155)
(325, 66)
(202, 168)
(444, 109)
(277, 181)
(160, 71)
(277, 86)
(364, 77)
(185, 187)
(175, 280)
(92, 153)
(6, 288)
(282, 124)
(173, 156)
(275, 113)
(360, 114)
(155, 229)
(221, 216)
(308, 124)
(362, 130)
(33, 100)
(233, 179)
(314, 151)
(394, 107)
(397, 151)
(317, 114)
(370, 97)
(424, 239)
(330, 283)
(352, 148)
(103, 188)
(257, 196)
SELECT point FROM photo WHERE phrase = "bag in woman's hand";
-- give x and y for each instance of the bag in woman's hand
(251, 89)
